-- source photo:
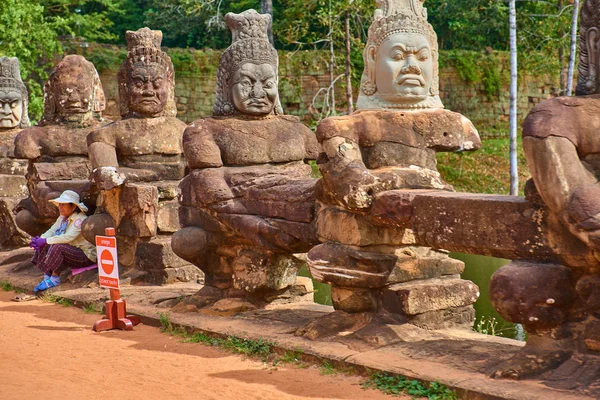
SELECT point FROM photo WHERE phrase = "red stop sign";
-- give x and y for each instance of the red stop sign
(107, 262)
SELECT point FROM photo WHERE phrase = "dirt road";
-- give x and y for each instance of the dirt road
(49, 351)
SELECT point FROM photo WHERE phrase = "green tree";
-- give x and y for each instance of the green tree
(26, 34)
(469, 24)
(194, 23)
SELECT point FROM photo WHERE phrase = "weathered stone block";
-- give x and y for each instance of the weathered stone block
(454, 317)
(423, 263)
(13, 186)
(353, 300)
(301, 291)
(418, 297)
(186, 273)
(60, 171)
(12, 166)
(346, 267)
(338, 225)
(256, 271)
(168, 216)
(156, 254)
(140, 206)
(168, 190)
(500, 226)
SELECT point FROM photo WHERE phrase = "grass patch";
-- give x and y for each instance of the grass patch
(252, 348)
(397, 384)
(49, 297)
(290, 357)
(486, 170)
(327, 369)
(263, 349)
(92, 309)
(6, 286)
(166, 326)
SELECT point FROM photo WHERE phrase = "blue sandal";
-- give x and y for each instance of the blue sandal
(47, 283)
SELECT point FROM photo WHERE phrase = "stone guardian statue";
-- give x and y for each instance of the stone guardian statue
(559, 305)
(56, 148)
(389, 143)
(13, 118)
(138, 162)
(248, 203)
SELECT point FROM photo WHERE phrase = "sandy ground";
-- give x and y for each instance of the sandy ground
(49, 351)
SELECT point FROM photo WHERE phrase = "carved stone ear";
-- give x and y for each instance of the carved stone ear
(367, 84)
(593, 43)
(370, 52)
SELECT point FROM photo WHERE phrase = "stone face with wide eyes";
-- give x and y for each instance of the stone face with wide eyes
(404, 68)
(11, 108)
(148, 89)
(254, 90)
(73, 95)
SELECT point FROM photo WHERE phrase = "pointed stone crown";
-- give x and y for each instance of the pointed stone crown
(143, 46)
(10, 74)
(250, 42)
(395, 16)
(248, 25)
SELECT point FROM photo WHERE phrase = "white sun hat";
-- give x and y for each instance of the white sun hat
(69, 196)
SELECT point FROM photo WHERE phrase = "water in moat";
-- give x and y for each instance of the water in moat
(478, 269)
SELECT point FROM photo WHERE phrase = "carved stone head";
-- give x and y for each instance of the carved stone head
(247, 82)
(73, 92)
(401, 59)
(589, 48)
(146, 77)
(13, 95)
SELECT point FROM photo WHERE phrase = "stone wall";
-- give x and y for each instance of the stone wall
(304, 73)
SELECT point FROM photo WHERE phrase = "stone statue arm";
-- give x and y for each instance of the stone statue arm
(311, 145)
(26, 144)
(199, 146)
(103, 158)
(567, 187)
(345, 176)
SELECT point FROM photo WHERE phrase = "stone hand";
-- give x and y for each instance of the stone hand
(107, 178)
(353, 187)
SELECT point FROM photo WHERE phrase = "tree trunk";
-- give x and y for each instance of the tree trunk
(562, 78)
(514, 177)
(348, 65)
(266, 7)
(573, 50)
(331, 64)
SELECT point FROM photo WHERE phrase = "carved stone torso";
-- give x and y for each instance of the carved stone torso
(393, 143)
(243, 166)
(233, 141)
(53, 141)
(148, 149)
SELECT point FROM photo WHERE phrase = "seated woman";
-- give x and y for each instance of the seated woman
(63, 246)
